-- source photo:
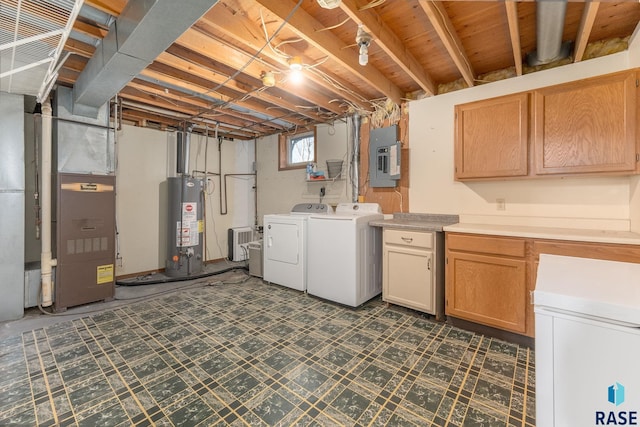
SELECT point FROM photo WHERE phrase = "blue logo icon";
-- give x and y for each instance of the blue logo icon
(616, 394)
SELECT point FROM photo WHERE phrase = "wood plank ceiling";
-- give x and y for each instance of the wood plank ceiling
(213, 74)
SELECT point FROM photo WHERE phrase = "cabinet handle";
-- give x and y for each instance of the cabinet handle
(429, 264)
(531, 297)
(407, 239)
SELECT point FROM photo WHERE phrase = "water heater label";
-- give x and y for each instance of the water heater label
(104, 274)
(189, 212)
(187, 230)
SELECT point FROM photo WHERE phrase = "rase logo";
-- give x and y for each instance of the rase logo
(615, 396)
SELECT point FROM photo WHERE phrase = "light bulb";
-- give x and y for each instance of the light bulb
(363, 58)
(296, 76)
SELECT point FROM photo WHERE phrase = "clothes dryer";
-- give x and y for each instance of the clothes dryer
(285, 245)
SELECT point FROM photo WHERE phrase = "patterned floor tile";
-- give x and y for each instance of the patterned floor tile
(258, 354)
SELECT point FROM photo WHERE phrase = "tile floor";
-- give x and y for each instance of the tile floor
(257, 354)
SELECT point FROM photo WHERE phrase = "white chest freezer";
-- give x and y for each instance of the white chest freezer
(587, 315)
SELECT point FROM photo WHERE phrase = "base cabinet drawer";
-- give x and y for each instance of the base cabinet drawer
(409, 238)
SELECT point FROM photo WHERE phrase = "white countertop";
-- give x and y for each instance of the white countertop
(580, 235)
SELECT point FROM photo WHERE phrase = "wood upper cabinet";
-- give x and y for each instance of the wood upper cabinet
(583, 127)
(587, 126)
(492, 138)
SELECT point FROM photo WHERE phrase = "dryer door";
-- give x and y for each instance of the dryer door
(281, 243)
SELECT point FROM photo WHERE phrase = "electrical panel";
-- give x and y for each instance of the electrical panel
(384, 157)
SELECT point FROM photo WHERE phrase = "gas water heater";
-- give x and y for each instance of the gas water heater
(185, 226)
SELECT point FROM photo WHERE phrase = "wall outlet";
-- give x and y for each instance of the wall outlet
(501, 204)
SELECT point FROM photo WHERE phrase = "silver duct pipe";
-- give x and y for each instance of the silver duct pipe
(550, 16)
(355, 160)
(183, 150)
(46, 262)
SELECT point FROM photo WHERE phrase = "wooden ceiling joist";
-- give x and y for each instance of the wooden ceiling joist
(134, 108)
(584, 31)
(307, 27)
(389, 43)
(216, 79)
(251, 36)
(213, 72)
(197, 104)
(438, 17)
(236, 59)
(79, 48)
(188, 85)
(112, 7)
(89, 30)
(514, 32)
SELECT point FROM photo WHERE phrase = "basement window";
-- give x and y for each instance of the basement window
(296, 150)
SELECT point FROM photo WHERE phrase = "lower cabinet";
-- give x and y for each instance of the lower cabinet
(490, 279)
(487, 281)
(411, 277)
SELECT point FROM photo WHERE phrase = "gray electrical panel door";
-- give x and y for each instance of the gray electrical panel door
(384, 157)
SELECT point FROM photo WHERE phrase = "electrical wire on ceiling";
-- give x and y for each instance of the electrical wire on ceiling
(337, 85)
(385, 110)
(333, 27)
(280, 53)
(290, 41)
(374, 3)
(254, 57)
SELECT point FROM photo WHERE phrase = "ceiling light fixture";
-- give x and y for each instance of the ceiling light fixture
(295, 63)
(363, 39)
(295, 67)
(329, 4)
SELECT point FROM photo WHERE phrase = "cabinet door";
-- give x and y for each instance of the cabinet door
(492, 138)
(409, 278)
(487, 289)
(587, 126)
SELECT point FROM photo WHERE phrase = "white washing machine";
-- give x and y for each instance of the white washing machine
(285, 245)
(345, 254)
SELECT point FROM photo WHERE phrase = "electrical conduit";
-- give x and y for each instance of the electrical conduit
(355, 160)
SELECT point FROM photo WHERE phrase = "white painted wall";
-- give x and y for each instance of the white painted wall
(566, 202)
(278, 191)
(145, 158)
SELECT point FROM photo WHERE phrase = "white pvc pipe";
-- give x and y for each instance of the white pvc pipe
(46, 263)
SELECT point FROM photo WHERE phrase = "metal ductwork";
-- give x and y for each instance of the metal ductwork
(550, 16)
(144, 30)
(183, 148)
